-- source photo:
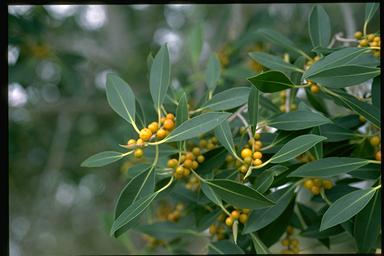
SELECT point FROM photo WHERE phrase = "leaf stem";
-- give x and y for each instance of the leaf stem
(324, 196)
(300, 217)
(374, 162)
(166, 186)
(128, 153)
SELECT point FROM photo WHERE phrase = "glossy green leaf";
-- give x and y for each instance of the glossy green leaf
(121, 98)
(271, 81)
(253, 108)
(224, 135)
(182, 110)
(370, 10)
(297, 75)
(212, 72)
(266, 104)
(128, 217)
(313, 231)
(160, 76)
(239, 195)
(211, 195)
(370, 112)
(328, 167)
(296, 147)
(263, 181)
(319, 27)
(317, 150)
(367, 224)
(228, 99)
(347, 56)
(259, 246)
(335, 133)
(367, 172)
(316, 101)
(346, 207)
(139, 186)
(347, 75)
(258, 219)
(195, 42)
(278, 39)
(196, 126)
(102, 159)
(298, 120)
(224, 247)
(273, 62)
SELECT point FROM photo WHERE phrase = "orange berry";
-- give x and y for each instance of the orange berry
(315, 190)
(229, 221)
(370, 37)
(257, 162)
(376, 39)
(195, 164)
(235, 214)
(315, 88)
(190, 156)
(188, 163)
(180, 170)
(154, 126)
(308, 184)
(140, 142)
(162, 120)
(246, 152)
(364, 42)
(131, 142)
(196, 151)
(200, 158)
(138, 153)
(258, 143)
(203, 143)
(378, 155)
(285, 242)
(169, 124)
(172, 163)
(161, 134)
(317, 182)
(257, 155)
(170, 116)
(327, 184)
(186, 172)
(243, 218)
(145, 134)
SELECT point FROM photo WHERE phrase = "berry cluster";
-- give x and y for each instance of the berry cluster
(292, 244)
(311, 62)
(218, 229)
(153, 130)
(208, 144)
(193, 183)
(375, 142)
(175, 215)
(314, 185)
(371, 40)
(153, 242)
(223, 55)
(250, 154)
(241, 215)
(187, 161)
(283, 98)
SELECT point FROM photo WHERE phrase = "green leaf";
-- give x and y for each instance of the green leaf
(273, 62)
(370, 112)
(228, 99)
(347, 56)
(182, 110)
(313, 231)
(376, 93)
(297, 120)
(224, 247)
(195, 42)
(335, 133)
(211, 195)
(167, 230)
(263, 181)
(260, 218)
(346, 207)
(278, 39)
(317, 150)
(328, 167)
(347, 75)
(224, 135)
(319, 27)
(212, 73)
(253, 108)
(259, 246)
(160, 76)
(121, 98)
(139, 186)
(317, 102)
(367, 225)
(102, 158)
(296, 147)
(367, 172)
(297, 75)
(196, 126)
(370, 10)
(129, 216)
(239, 195)
(271, 81)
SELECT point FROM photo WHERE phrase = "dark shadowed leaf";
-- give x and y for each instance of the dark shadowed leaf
(271, 81)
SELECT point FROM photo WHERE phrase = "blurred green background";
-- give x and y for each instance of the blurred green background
(58, 57)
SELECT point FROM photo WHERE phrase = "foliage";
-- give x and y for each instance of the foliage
(251, 198)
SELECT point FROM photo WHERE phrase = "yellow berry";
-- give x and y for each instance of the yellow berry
(169, 124)
(293, 106)
(190, 156)
(186, 172)
(315, 89)
(294, 242)
(210, 145)
(289, 230)
(257, 136)
(376, 39)
(257, 155)
(229, 158)
(315, 190)
(131, 142)
(221, 217)
(196, 151)
(362, 119)
(154, 126)
(248, 160)
(182, 158)
(212, 229)
(221, 236)
(188, 163)
(214, 139)
(195, 164)
(162, 120)
(243, 218)
(363, 42)
(180, 170)
(370, 37)
(170, 116)
(246, 153)
(251, 141)
(145, 134)
(235, 214)
(258, 143)
(203, 143)
(358, 35)
(317, 58)
(374, 44)
(229, 221)
(246, 210)
(138, 153)
(257, 162)
(200, 158)
(378, 155)
(172, 163)
(161, 133)
(140, 142)
(282, 108)
(285, 242)
(317, 182)
(243, 169)
(327, 184)
(308, 184)
(375, 141)
(283, 94)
